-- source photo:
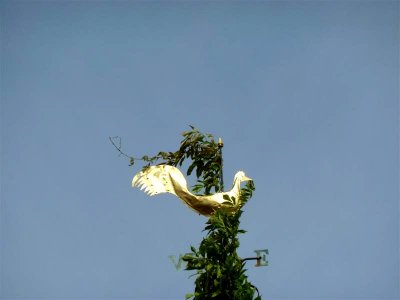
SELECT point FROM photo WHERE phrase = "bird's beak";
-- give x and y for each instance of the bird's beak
(245, 178)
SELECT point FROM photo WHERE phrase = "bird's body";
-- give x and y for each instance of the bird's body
(168, 179)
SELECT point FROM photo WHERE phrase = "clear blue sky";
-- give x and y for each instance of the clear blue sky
(304, 94)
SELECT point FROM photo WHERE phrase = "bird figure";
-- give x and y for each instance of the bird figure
(168, 179)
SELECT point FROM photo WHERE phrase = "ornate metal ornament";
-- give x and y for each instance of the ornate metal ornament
(168, 179)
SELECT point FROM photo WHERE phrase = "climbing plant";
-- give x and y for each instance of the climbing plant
(200, 148)
(220, 272)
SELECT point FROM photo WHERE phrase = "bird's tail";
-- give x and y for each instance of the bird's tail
(160, 179)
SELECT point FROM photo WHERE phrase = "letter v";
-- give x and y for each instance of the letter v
(179, 263)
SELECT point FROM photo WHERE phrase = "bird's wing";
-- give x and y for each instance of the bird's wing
(160, 179)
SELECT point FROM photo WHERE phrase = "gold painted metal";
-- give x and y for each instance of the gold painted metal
(168, 179)
(220, 143)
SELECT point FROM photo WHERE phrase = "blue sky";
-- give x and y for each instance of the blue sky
(304, 94)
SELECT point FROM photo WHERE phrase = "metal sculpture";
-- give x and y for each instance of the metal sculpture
(168, 179)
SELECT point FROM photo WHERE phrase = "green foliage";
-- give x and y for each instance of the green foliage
(220, 271)
(206, 161)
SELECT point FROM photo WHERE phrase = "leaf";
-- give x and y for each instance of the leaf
(215, 294)
(197, 187)
(199, 169)
(190, 169)
(188, 296)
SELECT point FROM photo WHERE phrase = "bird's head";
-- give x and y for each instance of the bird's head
(240, 176)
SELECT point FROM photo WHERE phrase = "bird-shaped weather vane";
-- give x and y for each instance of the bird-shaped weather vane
(168, 179)
(165, 178)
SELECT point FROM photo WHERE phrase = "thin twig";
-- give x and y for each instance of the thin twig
(119, 146)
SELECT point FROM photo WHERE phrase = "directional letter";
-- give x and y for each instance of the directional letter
(262, 254)
(179, 263)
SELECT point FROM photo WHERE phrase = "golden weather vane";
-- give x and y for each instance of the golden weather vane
(168, 179)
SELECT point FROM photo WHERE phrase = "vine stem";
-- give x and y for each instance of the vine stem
(119, 146)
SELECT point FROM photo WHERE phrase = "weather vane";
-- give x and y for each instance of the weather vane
(168, 179)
